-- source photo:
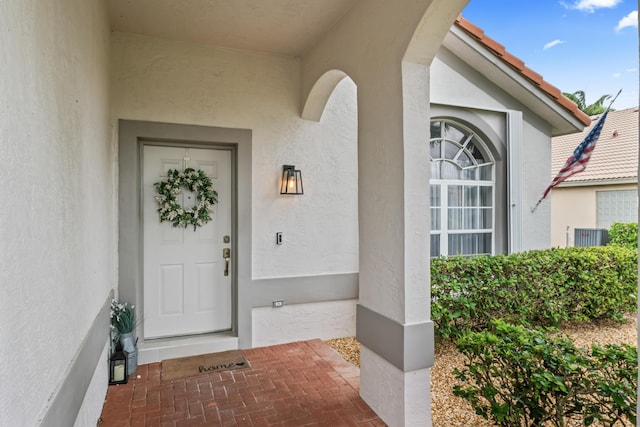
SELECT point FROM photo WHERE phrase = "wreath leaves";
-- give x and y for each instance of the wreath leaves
(168, 190)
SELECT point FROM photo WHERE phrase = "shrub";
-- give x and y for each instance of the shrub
(624, 234)
(517, 376)
(540, 288)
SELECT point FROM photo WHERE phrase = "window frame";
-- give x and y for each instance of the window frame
(443, 227)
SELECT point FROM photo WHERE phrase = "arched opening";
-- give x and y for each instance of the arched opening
(320, 93)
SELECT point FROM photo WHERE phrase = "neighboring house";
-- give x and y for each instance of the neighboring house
(99, 99)
(607, 190)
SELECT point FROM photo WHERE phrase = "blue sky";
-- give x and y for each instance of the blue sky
(589, 45)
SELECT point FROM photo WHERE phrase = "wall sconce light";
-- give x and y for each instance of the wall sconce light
(291, 183)
(118, 368)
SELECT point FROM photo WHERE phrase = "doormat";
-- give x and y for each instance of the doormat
(191, 366)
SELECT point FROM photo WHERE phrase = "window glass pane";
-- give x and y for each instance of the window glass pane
(450, 150)
(449, 171)
(452, 133)
(435, 245)
(470, 218)
(436, 127)
(454, 219)
(435, 219)
(475, 152)
(469, 244)
(435, 169)
(485, 173)
(469, 174)
(486, 220)
(464, 160)
(470, 195)
(434, 148)
(460, 244)
(454, 194)
(484, 244)
(486, 193)
(435, 200)
(435, 195)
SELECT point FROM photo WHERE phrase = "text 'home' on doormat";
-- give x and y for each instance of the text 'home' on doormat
(203, 364)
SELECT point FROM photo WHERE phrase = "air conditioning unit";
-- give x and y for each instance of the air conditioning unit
(591, 237)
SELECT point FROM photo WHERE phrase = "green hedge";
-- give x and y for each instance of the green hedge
(624, 234)
(542, 287)
(517, 376)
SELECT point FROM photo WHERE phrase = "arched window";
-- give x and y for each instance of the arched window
(462, 191)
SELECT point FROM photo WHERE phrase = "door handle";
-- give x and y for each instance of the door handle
(226, 254)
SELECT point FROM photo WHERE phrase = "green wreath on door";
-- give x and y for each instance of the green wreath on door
(168, 190)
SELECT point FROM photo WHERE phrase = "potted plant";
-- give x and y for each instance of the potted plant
(123, 322)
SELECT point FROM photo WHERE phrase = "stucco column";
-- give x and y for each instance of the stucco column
(385, 48)
(393, 323)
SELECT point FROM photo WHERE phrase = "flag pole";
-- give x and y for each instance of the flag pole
(614, 99)
(533, 209)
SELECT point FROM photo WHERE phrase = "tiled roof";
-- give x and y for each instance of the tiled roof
(517, 64)
(616, 154)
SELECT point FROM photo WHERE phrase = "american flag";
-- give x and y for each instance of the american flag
(577, 162)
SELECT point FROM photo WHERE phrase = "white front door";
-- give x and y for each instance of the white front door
(186, 289)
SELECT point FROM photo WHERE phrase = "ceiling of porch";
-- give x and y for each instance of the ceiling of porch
(283, 27)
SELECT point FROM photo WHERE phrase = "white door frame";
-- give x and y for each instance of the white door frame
(132, 136)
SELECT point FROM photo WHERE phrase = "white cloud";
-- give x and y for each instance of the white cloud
(592, 5)
(631, 20)
(616, 75)
(553, 43)
(631, 70)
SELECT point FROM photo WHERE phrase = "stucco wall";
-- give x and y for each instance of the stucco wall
(298, 322)
(536, 172)
(58, 227)
(575, 207)
(177, 82)
(455, 84)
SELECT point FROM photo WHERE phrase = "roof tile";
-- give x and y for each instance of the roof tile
(553, 91)
(514, 61)
(470, 28)
(494, 46)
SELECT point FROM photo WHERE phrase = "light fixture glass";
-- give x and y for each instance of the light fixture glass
(291, 183)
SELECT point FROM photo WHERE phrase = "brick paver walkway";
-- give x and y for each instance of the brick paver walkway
(299, 384)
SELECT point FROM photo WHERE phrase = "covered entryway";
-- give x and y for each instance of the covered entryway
(187, 271)
(386, 50)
